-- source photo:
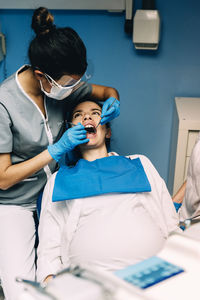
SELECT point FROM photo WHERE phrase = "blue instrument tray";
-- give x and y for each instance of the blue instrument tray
(149, 272)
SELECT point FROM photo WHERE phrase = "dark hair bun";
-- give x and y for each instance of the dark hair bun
(42, 21)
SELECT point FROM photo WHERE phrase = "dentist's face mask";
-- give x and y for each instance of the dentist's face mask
(60, 92)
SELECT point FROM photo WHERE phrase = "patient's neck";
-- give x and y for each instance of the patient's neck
(93, 154)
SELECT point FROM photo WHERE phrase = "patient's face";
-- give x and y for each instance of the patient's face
(88, 113)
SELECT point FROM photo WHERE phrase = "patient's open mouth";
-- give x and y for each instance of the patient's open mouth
(90, 128)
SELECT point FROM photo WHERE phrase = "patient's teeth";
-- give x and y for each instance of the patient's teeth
(90, 128)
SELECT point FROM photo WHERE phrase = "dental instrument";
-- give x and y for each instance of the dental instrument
(82, 282)
(70, 123)
(188, 222)
(38, 287)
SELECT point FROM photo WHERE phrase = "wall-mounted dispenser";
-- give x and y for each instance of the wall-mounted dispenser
(146, 27)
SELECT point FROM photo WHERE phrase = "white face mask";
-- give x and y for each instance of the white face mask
(57, 91)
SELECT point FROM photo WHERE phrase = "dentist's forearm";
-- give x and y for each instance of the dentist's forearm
(100, 92)
(11, 174)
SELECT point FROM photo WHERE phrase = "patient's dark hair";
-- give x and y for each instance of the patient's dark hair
(55, 51)
(69, 118)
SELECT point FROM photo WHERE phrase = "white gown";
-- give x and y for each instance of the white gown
(110, 231)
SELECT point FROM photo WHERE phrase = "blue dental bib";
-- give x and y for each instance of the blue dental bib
(113, 174)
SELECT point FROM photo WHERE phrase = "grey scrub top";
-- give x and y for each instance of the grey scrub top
(24, 133)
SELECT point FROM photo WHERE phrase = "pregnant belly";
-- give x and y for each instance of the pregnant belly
(115, 241)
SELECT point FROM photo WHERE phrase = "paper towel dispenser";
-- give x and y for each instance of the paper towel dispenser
(146, 29)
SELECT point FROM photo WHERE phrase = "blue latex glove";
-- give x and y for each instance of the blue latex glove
(109, 111)
(70, 139)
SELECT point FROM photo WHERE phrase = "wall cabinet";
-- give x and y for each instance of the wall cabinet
(185, 130)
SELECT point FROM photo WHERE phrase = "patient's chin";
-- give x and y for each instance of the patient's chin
(89, 145)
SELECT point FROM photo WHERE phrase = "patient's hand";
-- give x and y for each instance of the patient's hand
(48, 278)
(179, 196)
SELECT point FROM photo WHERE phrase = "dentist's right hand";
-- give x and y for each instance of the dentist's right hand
(70, 139)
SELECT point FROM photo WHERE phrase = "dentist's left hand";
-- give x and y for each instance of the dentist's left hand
(110, 110)
(70, 139)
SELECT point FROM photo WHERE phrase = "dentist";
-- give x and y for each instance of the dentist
(33, 106)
